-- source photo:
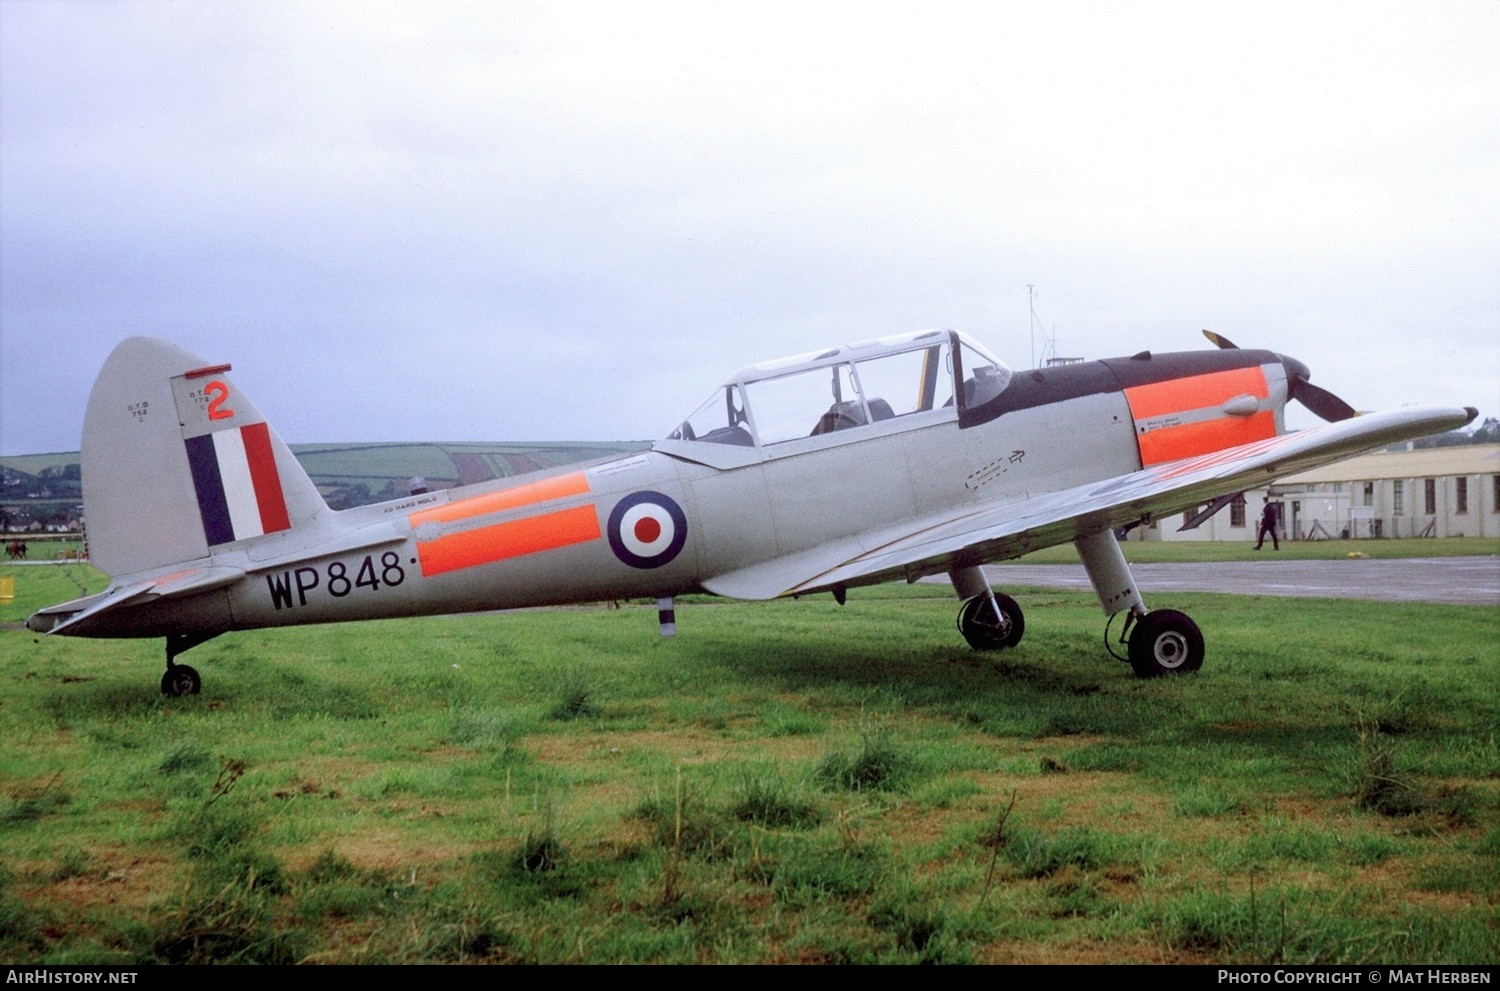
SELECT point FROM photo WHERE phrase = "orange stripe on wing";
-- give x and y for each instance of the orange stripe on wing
(169, 579)
(1189, 440)
(512, 498)
(545, 532)
(1195, 392)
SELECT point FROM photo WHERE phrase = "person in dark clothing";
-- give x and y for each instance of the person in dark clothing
(1267, 525)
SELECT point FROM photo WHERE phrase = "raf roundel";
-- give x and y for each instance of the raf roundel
(647, 529)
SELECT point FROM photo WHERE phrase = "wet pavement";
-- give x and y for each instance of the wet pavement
(1454, 580)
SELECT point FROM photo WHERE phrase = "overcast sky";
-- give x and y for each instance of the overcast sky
(568, 221)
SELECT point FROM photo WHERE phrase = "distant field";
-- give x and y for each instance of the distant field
(35, 464)
(782, 782)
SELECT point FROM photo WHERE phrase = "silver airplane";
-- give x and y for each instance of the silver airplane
(914, 455)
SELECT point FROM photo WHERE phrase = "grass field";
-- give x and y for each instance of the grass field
(781, 782)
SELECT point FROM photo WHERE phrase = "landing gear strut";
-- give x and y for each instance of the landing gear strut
(989, 622)
(988, 619)
(181, 679)
(1165, 641)
(1161, 641)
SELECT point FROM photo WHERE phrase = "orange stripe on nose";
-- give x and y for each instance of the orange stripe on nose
(1195, 392)
(512, 498)
(545, 532)
(1188, 440)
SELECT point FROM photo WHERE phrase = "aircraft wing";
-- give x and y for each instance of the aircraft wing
(996, 531)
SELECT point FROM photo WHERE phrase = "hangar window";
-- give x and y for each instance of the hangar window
(1237, 511)
(1369, 494)
(1398, 499)
(1461, 496)
(1495, 497)
(1429, 496)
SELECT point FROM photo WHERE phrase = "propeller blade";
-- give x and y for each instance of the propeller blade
(1322, 402)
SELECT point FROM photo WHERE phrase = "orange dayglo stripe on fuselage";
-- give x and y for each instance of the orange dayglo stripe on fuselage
(512, 498)
(1188, 440)
(544, 532)
(1195, 392)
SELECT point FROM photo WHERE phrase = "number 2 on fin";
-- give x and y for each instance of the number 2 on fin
(220, 392)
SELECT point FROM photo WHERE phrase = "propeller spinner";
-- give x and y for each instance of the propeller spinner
(1318, 400)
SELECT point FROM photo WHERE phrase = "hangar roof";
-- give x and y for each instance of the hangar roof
(1463, 459)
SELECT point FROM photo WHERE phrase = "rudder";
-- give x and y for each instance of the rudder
(177, 461)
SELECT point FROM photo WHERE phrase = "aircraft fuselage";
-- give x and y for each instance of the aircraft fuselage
(665, 521)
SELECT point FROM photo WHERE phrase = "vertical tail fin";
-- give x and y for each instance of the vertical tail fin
(177, 461)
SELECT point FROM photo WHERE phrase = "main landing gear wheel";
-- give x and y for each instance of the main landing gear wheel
(1165, 641)
(181, 679)
(986, 631)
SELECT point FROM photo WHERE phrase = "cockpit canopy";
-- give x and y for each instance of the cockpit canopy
(846, 387)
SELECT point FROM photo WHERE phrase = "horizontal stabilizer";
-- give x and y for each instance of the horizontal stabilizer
(190, 581)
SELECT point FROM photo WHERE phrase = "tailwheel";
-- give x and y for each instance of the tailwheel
(179, 680)
(1165, 641)
(989, 626)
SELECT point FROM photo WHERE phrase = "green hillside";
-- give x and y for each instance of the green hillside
(40, 464)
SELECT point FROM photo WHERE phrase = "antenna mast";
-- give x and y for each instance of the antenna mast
(1031, 323)
(1049, 341)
